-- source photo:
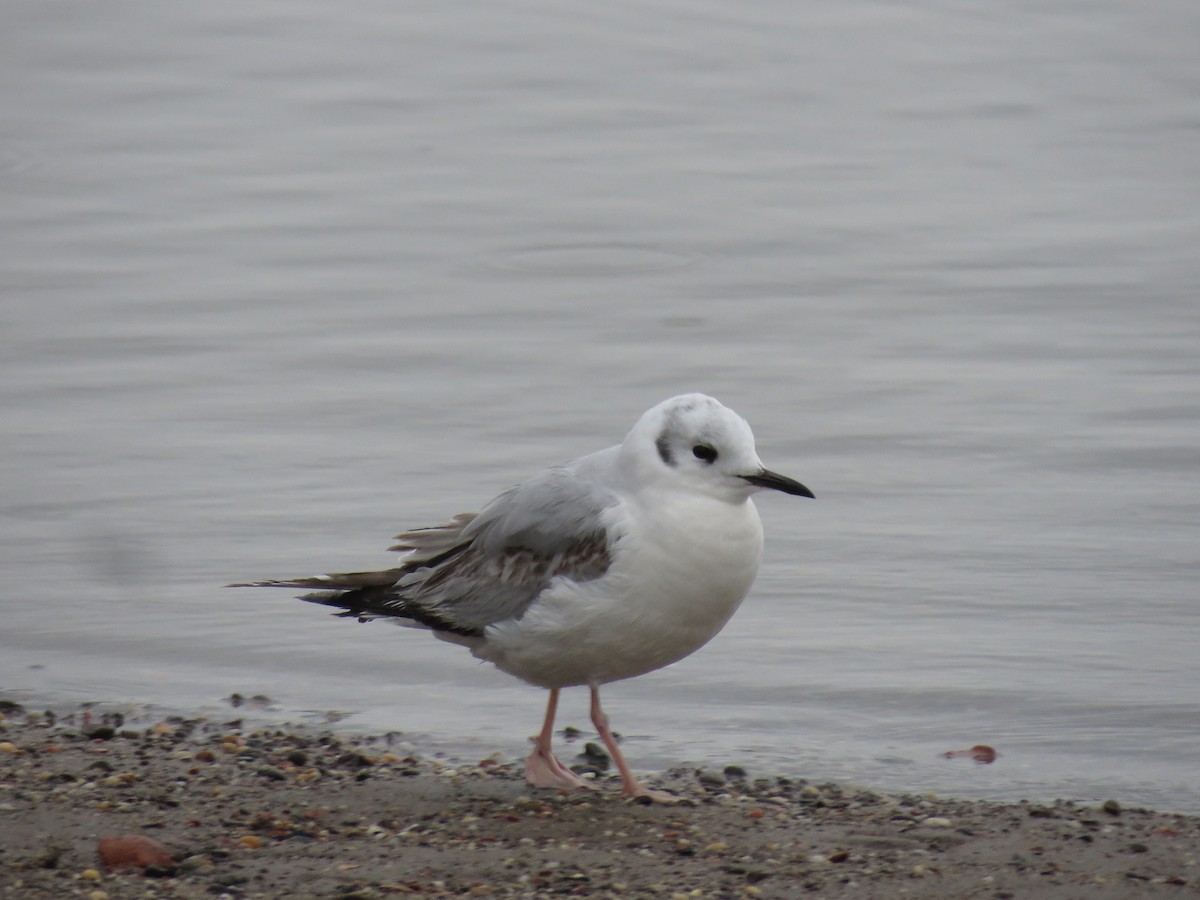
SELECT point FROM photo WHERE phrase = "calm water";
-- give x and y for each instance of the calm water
(280, 279)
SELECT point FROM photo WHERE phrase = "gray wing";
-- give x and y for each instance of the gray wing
(476, 570)
(547, 527)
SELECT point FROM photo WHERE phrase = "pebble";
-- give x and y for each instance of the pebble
(196, 863)
(594, 750)
(937, 822)
(133, 851)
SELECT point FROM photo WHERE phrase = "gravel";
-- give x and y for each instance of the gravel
(293, 812)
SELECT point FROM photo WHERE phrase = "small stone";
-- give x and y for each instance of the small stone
(196, 863)
(937, 822)
(594, 758)
(1112, 807)
(90, 875)
(133, 851)
(48, 858)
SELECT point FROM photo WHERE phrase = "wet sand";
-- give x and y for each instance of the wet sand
(296, 812)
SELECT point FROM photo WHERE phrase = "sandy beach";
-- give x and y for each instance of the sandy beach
(232, 811)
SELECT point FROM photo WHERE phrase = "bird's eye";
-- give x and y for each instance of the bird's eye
(704, 453)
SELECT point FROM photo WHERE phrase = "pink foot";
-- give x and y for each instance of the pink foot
(543, 769)
(630, 786)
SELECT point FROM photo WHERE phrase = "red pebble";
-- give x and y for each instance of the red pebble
(981, 753)
(133, 851)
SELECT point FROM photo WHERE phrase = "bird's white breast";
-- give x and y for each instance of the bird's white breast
(681, 567)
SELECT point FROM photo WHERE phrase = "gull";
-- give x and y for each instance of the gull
(604, 568)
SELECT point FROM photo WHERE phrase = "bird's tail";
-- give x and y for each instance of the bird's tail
(366, 596)
(343, 581)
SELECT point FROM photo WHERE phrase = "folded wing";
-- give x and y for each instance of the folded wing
(476, 570)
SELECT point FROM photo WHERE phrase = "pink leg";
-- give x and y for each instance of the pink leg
(630, 786)
(543, 768)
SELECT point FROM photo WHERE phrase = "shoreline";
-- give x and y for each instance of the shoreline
(263, 811)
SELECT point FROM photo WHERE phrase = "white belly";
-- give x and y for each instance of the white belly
(669, 590)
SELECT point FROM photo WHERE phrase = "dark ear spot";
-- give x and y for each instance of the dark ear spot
(664, 450)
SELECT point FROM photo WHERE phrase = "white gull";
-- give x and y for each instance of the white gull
(607, 567)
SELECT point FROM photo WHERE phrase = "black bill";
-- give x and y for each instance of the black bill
(777, 482)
